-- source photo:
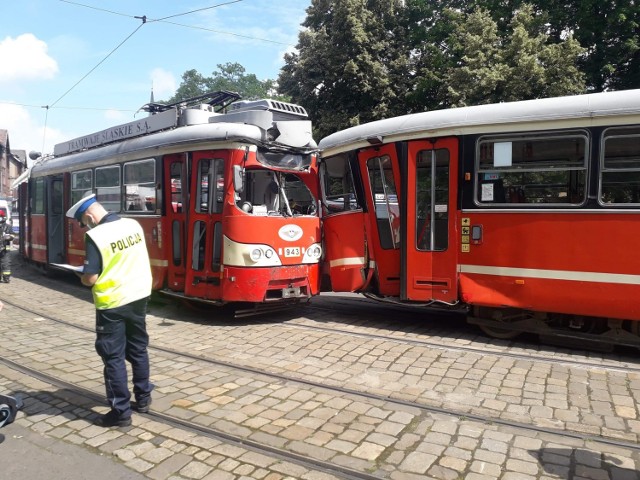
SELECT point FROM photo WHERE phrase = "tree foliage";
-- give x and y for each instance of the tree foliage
(488, 68)
(609, 30)
(348, 66)
(231, 77)
(360, 60)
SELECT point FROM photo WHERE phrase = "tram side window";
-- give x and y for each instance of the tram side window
(108, 187)
(385, 200)
(140, 185)
(80, 184)
(56, 197)
(199, 245)
(37, 196)
(177, 200)
(338, 190)
(620, 167)
(432, 200)
(210, 186)
(532, 170)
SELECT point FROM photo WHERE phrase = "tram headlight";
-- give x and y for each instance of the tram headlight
(255, 254)
(237, 254)
(312, 254)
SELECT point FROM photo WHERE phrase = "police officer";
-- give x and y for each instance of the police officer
(118, 270)
(6, 237)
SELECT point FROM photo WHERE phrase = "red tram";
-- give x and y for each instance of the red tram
(523, 213)
(228, 201)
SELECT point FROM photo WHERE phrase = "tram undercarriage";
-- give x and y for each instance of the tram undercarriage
(593, 333)
(238, 309)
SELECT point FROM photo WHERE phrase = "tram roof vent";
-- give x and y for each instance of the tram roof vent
(280, 110)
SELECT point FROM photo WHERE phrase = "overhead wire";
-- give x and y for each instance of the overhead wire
(144, 19)
(47, 107)
(225, 33)
(197, 10)
(98, 64)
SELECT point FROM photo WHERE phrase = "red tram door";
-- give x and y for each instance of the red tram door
(380, 172)
(204, 226)
(176, 201)
(430, 246)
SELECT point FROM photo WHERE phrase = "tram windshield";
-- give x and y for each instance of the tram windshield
(288, 161)
(269, 193)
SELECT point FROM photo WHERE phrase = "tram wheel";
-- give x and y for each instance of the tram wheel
(498, 317)
(500, 333)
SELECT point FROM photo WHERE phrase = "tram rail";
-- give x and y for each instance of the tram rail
(338, 389)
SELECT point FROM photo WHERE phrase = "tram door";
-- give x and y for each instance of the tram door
(176, 202)
(55, 220)
(343, 228)
(204, 225)
(430, 246)
(380, 172)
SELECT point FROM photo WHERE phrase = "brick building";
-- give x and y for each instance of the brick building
(12, 164)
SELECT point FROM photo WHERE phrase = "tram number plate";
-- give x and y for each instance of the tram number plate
(292, 252)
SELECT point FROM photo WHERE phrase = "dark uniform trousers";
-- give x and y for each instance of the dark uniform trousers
(121, 335)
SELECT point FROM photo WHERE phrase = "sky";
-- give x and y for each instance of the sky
(71, 68)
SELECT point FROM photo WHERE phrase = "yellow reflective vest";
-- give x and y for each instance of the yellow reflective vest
(126, 271)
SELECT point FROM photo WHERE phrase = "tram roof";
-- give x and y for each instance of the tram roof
(561, 112)
(255, 123)
(194, 137)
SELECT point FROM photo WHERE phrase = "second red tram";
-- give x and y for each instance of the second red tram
(524, 213)
(225, 190)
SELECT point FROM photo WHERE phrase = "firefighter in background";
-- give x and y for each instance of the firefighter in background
(6, 232)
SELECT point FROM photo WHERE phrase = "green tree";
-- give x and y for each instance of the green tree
(231, 77)
(350, 65)
(522, 64)
(608, 29)
(362, 60)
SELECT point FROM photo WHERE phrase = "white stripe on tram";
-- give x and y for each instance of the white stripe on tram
(620, 278)
(348, 261)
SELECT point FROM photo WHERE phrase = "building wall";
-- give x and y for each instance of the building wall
(12, 164)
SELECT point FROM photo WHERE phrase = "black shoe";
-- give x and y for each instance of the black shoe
(142, 405)
(113, 419)
(6, 278)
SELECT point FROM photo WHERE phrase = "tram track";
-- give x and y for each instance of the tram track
(192, 427)
(353, 308)
(424, 408)
(625, 367)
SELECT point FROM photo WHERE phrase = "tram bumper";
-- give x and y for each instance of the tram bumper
(271, 284)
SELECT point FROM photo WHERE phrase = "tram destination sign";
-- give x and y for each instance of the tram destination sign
(144, 126)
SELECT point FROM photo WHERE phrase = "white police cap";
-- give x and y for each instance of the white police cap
(81, 206)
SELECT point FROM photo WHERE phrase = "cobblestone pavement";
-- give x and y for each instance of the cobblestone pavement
(410, 410)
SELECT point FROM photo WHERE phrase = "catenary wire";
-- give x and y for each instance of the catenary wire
(197, 10)
(165, 20)
(97, 65)
(144, 20)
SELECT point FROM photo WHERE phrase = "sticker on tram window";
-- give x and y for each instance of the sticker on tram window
(292, 252)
